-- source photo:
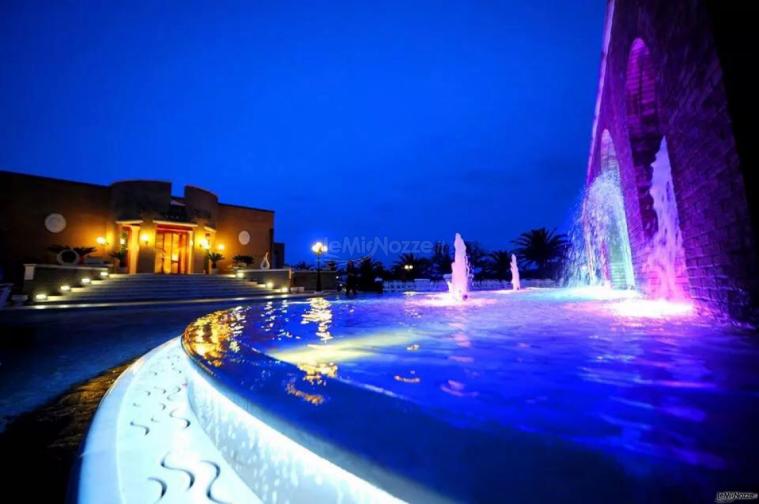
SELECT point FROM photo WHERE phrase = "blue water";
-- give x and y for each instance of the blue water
(581, 395)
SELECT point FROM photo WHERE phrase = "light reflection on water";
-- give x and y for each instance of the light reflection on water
(650, 384)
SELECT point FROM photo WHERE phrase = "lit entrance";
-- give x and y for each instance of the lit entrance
(171, 251)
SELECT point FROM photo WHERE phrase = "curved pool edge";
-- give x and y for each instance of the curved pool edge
(269, 461)
(145, 445)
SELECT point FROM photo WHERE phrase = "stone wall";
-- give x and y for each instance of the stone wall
(663, 77)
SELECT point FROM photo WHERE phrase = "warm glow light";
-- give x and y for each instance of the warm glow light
(240, 274)
(100, 240)
(65, 288)
(122, 241)
(85, 281)
(145, 238)
(40, 297)
(269, 285)
(318, 248)
(220, 246)
(203, 243)
(103, 274)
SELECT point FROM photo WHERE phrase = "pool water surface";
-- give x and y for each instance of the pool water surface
(508, 395)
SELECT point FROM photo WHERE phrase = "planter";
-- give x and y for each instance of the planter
(69, 257)
(19, 299)
(5, 292)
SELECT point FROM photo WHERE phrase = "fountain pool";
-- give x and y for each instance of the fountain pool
(587, 395)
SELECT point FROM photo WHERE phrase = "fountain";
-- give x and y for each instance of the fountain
(458, 287)
(515, 284)
(665, 258)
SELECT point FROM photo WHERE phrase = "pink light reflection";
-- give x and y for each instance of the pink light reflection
(652, 308)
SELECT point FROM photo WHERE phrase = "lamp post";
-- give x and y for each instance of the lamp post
(409, 268)
(318, 248)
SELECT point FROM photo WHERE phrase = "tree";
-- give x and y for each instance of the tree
(499, 265)
(542, 249)
(420, 267)
(476, 256)
(368, 270)
(440, 262)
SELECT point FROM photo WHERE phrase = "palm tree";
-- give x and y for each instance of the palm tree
(441, 260)
(420, 266)
(368, 271)
(477, 258)
(499, 264)
(542, 249)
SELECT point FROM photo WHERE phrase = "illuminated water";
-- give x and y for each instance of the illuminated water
(665, 258)
(571, 395)
(458, 287)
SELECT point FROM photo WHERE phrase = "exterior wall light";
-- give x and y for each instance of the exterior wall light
(240, 274)
(40, 297)
(203, 243)
(145, 238)
(122, 241)
(103, 274)
(101, 241)
(220, 246)
(86, 281)
(269, 285)
(65, 288)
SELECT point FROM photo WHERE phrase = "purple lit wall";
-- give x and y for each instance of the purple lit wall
(662, 76)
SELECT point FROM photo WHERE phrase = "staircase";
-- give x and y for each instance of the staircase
(149, 287)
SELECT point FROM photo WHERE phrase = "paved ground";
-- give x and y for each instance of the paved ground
(54, 369)
(46, 441)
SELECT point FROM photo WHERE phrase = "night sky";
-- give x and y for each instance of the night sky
(407, 120)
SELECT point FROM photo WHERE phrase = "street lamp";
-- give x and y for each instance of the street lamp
(318, 248)
(409, 268)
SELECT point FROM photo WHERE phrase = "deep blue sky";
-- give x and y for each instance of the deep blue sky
(410, 120)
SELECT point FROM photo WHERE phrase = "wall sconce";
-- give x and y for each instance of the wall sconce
(220, 246)
(203, 243)
(101, 241)
(122, 241)
(240, 274)
(145, 239)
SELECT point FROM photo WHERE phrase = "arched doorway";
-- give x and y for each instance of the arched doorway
(663, 265)
(607, 238)
(644, 127)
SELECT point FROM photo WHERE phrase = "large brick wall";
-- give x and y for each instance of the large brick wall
(663, 76)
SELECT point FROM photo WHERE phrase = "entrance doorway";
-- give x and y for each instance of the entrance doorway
(171, 251)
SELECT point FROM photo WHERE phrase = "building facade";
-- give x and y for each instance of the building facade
(157, 231)
(673, 126)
